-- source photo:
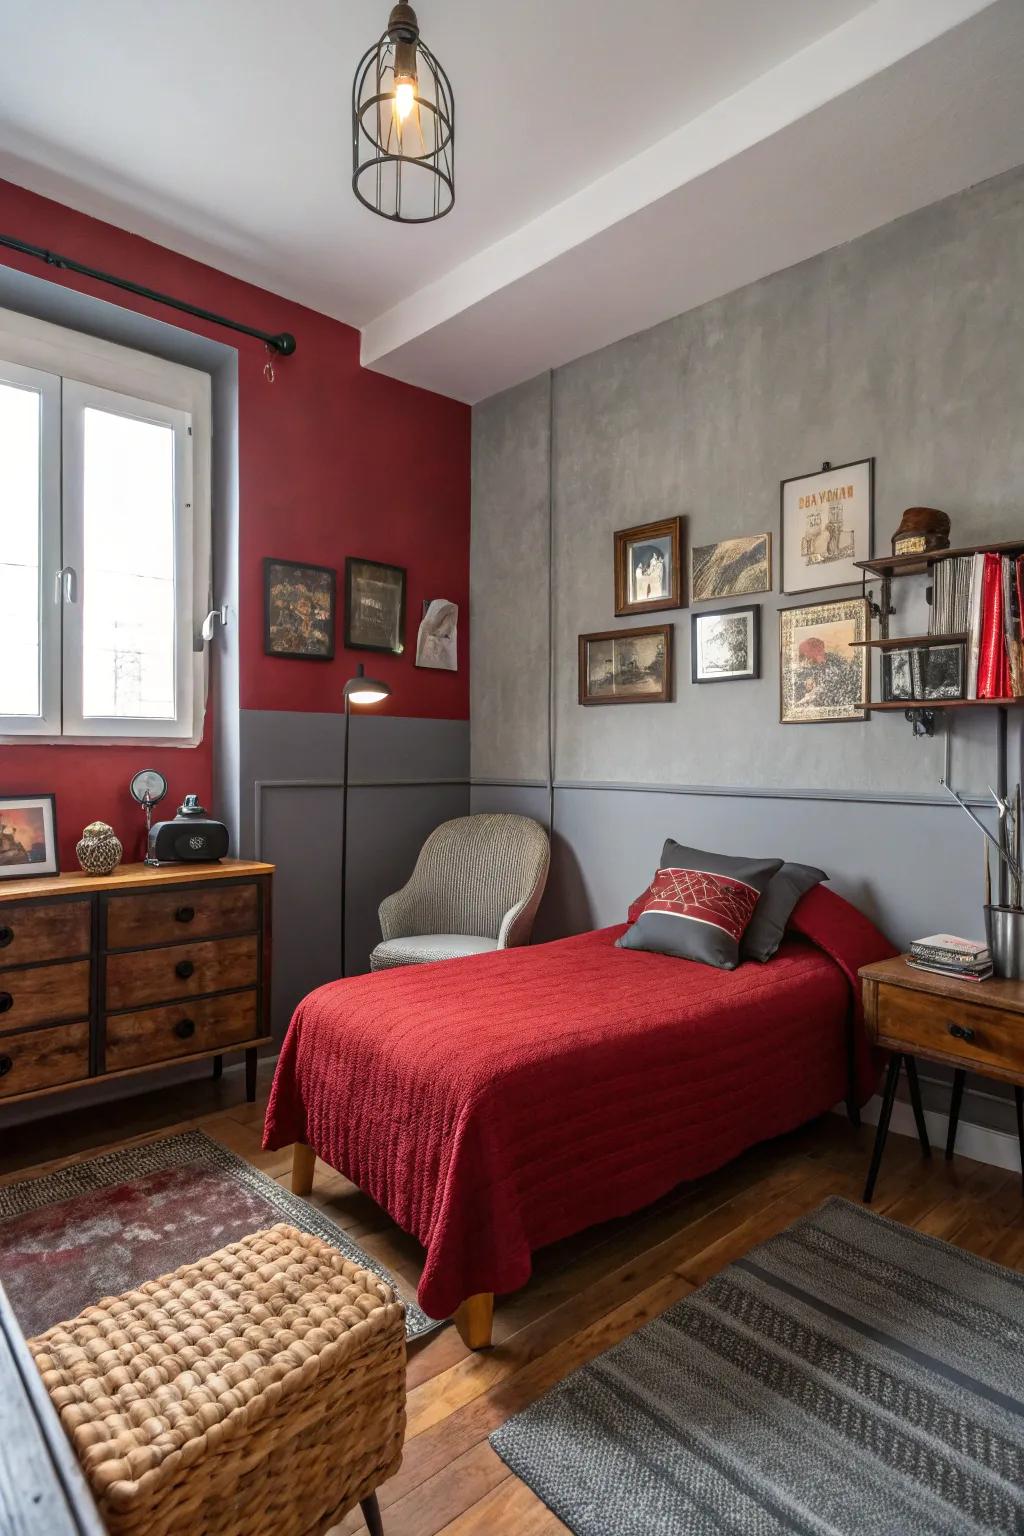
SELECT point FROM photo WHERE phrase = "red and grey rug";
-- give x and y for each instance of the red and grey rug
(113, 1222)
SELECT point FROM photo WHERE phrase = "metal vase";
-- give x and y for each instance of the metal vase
(1004, 929)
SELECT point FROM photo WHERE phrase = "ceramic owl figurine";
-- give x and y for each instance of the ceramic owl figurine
(99, 849)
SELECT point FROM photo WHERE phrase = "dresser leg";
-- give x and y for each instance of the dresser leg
(956, 1099)
(250, 1075)
(915, 1100)
(218, 1067)
(371, 1514)
(893, 1077)
(1018, 1094)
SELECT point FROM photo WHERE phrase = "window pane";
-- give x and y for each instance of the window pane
(20, 417)
(128, 578)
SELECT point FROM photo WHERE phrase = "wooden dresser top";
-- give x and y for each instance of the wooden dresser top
(993, 993)
(129, 876)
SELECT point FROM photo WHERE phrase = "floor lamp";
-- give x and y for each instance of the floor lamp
(358, 690)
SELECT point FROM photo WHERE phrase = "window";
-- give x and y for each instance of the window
(104, 539)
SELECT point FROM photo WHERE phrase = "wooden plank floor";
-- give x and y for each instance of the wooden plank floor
(586, 1293)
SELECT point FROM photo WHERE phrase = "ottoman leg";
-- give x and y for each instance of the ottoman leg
(303, 1168)
(371, 1514)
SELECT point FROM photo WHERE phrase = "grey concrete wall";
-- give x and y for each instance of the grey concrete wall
(905, 345)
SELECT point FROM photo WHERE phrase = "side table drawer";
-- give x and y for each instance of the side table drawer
(180, 970)
(41, 1058)
(183, 1029)
(977, 1036)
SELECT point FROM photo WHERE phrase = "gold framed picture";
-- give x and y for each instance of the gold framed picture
(648, 567)
(823, 664)
(626, 666)
(731, 568)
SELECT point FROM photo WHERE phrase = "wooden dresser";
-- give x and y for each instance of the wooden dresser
(104, 977)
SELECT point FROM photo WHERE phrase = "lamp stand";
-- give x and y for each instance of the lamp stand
(344, 828)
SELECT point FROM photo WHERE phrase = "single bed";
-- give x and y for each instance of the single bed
(496, 1104)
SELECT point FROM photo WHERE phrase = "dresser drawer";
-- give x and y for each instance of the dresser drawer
(182, 1029)
(958, 1031)
(180, 970)
(52, 930)
(42, 1058)
(181, 913)
(44, 994)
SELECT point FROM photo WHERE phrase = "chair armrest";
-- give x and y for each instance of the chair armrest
(517, 924)
(397, 914)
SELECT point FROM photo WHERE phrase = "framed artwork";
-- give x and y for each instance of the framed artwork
(827, 522)
(626, 666)
(731, 568)
(725, 646)
(298, 610)
(437, 640)
(823, 664)
(28, 836)
(648, 567)
(374, 606)
(923, 672)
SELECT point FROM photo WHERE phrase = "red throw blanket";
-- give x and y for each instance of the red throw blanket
(495, 1104)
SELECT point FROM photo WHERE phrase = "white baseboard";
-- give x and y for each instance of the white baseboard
(998, 1148)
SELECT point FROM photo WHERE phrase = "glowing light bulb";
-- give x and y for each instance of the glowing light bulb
(405, 98)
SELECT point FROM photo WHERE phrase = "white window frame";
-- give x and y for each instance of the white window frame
(84, 368)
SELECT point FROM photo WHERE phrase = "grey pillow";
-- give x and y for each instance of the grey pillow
(773, 911)
(699, 905)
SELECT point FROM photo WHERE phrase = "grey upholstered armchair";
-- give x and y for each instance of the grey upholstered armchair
(476, 887)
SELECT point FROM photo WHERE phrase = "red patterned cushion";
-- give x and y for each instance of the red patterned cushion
(698, 907)
(724, 902)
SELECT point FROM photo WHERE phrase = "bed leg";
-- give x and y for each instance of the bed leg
(474, 1319)
(303, 1164)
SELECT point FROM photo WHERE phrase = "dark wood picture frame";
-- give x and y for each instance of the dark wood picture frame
(271, 564)
(33, 871)
(351, 641)
(663, 695)
(670, 528)
(813, 474)
(862, 656)
(696, 619)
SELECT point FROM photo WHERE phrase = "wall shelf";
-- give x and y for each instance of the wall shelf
(909, 642)
(919, 565)
(929, 704)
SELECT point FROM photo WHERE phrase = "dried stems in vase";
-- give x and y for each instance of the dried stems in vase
(1007, 844)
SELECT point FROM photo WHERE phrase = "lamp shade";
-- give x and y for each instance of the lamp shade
(365, 690)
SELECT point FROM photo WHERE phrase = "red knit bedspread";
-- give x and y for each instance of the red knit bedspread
(495, 1104)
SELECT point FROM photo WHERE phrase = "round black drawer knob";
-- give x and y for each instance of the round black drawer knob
(6, 1002)
(6, 1063)
(184, 914)
(184, 969)
(185, 1029)
(961, 1032)
(6, 936)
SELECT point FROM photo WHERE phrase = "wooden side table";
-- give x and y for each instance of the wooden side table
(971, 1026)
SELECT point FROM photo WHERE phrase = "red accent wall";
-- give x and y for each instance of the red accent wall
(333, 461)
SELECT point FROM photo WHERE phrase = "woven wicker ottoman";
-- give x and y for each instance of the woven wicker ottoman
(259, 1392)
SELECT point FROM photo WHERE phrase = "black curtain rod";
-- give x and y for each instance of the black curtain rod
(283, 343)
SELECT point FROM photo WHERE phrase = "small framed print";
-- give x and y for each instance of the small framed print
(626, 666)
(731, 568)
(826, 524)
(823, 662)
(298, 610)
(28, 836)
(374, 606)
(725, 646)
(648, 567)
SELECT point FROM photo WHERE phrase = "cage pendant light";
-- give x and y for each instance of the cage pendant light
(403, 127)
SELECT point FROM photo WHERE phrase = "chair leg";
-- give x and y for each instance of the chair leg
(474, 1320)
(895, 1062)
(918, 1108)
(371, 1514)
(956, 1099)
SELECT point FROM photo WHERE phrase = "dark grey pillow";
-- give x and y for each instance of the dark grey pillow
(773, 911)
(700, 905)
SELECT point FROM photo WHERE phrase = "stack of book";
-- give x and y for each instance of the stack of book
(947, 955)
(982, 596)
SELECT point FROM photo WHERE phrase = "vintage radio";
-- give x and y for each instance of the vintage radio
(191, 838)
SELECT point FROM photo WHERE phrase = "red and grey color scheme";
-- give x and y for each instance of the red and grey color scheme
(699, 905)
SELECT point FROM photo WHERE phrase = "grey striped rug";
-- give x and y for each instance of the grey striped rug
(848, 1376)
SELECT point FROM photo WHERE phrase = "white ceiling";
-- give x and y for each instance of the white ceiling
(615, 162)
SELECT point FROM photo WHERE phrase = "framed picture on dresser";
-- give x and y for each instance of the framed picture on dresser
(28, 836)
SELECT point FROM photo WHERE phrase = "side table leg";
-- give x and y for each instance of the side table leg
(371, 1514)
(895, 1061)
(1018, 1094)
(915, 1100)
(959, 1078)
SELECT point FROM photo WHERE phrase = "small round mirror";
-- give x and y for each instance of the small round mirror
(148, 787)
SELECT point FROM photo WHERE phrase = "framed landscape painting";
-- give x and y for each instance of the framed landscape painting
(731, 568)
(827, 523)
(823, 663)
(725, 646)
(298, 610)
(28, 836)
(626, 666)
(648, 567)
